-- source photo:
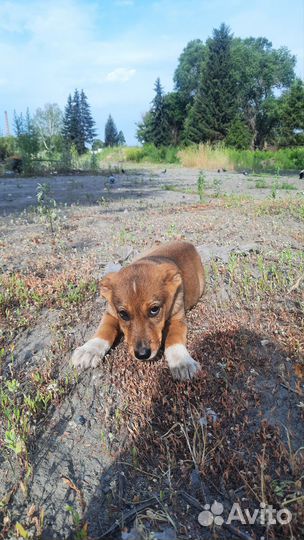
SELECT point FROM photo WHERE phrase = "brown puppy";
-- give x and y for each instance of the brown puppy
(147, 302)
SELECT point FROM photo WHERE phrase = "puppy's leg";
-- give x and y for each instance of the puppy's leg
(182, 365)
(91, 353)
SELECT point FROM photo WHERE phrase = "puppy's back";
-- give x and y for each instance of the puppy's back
(186, 258)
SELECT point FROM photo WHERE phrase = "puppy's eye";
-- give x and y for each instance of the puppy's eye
(153, 311)
(124, 315)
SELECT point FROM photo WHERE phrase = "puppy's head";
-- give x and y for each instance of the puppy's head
(142, 297)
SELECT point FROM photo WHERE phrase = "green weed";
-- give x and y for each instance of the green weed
(261, 183)
(77, 293)
(274, 189)
(287, 186)
(201, 187)
(47, 206)
(21, 408)
(170, 187)
(234, 200)
(172, 230)
(291, 207)
(217, 185)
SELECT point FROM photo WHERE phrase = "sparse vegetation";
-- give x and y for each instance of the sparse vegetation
(46, 205)
(203, 156)
(261, 183)
(124, 446)
(157, 440)
(201, 187)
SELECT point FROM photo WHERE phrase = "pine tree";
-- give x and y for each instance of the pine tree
(67, 119)
(86, 119)
(77, 128)
(159, 127)
(111, 134)
(121, 141)
(215, 103)
(78, 124)
(239, 135)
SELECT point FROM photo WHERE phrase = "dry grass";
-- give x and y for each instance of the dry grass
(233, 434)
(207, 157)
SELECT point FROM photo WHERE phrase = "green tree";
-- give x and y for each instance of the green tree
(186, 81)
(163, 124)
(121, 141)
(259, 71)
(77, 135)
(239, 134)
(26, 134)
(78, 124)
(144, 129)
(223, 88)
(49, 123)
(175, 106)
(7, 147)
(111, 134)
(215, 103)
(159, 124)
(87, 122)
(67, 120)
(267, 122)
(188, 72)
(71, 122)
(97, 144)
(291, 121)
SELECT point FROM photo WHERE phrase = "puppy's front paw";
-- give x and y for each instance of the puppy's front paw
(90, 354)
(181, 364)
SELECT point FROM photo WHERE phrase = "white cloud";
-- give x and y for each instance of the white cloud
(49, 49)
(120, 75)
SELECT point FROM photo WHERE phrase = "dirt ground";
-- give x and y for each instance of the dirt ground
(152, 184)
(123, 451)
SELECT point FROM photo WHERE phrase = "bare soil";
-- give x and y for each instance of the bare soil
(124, 445)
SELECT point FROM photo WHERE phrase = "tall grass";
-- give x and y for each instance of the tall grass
(151, 153)
(263, 160)
(136, 154)
(205, 156)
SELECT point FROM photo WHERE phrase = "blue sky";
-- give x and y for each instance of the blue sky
(116, 49)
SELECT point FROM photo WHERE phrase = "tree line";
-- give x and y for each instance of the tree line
(51, 131)
(242, 92)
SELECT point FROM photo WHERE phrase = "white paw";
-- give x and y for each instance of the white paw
(90, 354)
(181, 364)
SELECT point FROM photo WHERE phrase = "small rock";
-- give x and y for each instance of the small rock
(81, 420)
(265, 342)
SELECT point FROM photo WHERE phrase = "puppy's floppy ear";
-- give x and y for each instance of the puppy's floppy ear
(106, 285)
(171, 276)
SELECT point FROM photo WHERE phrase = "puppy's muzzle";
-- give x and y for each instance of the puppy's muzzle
(142, 351)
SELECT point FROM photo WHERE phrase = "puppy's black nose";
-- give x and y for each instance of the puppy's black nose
(142, 352)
